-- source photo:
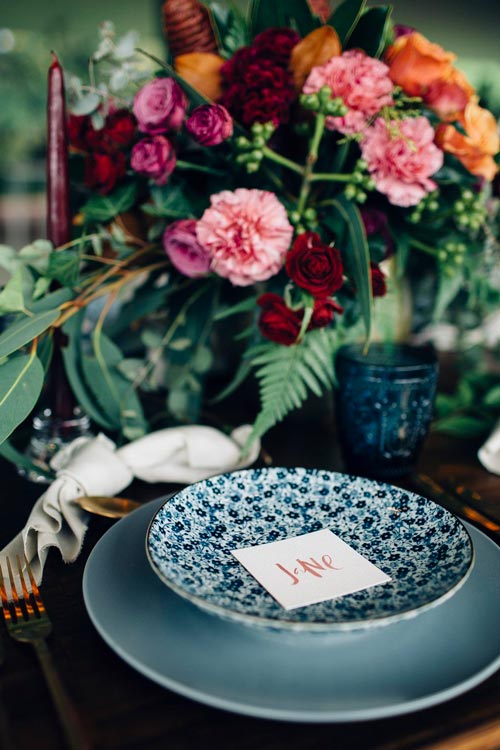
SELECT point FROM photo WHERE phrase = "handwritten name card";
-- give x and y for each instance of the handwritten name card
(309, 568)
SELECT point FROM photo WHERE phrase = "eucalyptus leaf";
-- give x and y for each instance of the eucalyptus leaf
(25, 330)
(20, 460)
(21, 381)
(16, 294)
(345, 17)
(9, 258)
(102, 208)
(37, 254)
(492, 398)
(85, 104)
(462, 426)
(64, 267)
(51, 300)
(72, 359)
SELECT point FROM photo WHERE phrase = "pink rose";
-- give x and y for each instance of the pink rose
(184, 250)
(160, 106)
(154, 157)
(246, 233)
(362, 82)
(401, 158)
(210, 124)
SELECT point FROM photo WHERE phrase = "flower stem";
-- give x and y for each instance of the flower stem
(422, 246)
(273, 156)
(311, 160)
(330, 176)
(199, 168)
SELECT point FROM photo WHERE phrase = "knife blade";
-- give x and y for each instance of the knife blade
(430, 488)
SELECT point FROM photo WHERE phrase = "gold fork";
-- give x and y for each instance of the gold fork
(27, 621)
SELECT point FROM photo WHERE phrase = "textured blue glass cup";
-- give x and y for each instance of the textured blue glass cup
(384, 406)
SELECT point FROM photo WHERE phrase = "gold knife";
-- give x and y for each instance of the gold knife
(454, 503)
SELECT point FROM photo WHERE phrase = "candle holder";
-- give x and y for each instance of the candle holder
(384, 406)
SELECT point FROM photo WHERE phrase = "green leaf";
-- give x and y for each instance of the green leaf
(345, 17)
(64, 267)
(245, 305)
(51, 300)
(17, 293)
(462, 426)
(403, 249)
(102, 208)
(356, 256)
(169, 201)
(448, 288)
(22, 461)
(73, 366)
(372, 30)
(445, 404)
(286, 375)
(492, 398)
(9, 258)
(295, 14)
(37, 255)
(112, 390)
(25, 330)
(21, 380)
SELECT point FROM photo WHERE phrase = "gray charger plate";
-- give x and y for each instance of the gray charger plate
(372, 674)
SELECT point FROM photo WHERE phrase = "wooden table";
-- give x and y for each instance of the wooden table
(125, 711)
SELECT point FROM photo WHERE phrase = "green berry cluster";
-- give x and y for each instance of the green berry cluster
(360, 183)
(470, 211)
(307, 221)
(452, 254)
(252, 150)
(323, 103)
(429, 203)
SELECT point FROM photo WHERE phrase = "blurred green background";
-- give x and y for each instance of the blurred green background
(29, 30)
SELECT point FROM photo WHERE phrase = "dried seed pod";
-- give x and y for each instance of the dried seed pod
(187, 27)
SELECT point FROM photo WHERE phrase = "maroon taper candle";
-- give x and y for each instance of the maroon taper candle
(60, 397)
(58, 215)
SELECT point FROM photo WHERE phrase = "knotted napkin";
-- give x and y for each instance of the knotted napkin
(95, 466)
(489, 453)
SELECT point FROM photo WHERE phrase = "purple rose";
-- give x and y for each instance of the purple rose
(160, 106)
(184, 250)
(210, 124)
(154, 157)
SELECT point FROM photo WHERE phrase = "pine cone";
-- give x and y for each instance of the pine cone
(320, 8)
(187, 27)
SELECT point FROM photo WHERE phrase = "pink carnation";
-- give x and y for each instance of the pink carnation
(402, 159)
(246, 233)
(184, 250)
(362, 83)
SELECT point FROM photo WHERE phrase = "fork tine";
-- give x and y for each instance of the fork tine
(26, 594)
(15, 597)
(34, 588)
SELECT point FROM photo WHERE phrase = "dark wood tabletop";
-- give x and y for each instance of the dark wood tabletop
(122, 710)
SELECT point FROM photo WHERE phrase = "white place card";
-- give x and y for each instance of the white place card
(309, 568)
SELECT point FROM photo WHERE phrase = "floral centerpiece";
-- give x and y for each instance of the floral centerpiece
(288, 169)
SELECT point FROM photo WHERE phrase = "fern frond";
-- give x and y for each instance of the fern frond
(287, 374)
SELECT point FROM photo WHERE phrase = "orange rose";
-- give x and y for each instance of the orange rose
(477, 148)
(449, 96)
(415, 62)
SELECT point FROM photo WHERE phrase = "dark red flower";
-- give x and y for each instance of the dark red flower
(77, 126)
(314, 266)
(258, 85)
(379, 287)
(102, 170)
(376, 223)
(278, 322)
(323, 313)
(120, 128)
(276, 44)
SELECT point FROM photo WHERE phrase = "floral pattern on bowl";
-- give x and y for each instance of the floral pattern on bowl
(425, 550)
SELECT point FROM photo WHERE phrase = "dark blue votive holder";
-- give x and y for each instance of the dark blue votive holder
(384, 406)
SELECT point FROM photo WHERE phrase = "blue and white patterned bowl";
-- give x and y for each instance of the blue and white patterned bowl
(425, 550)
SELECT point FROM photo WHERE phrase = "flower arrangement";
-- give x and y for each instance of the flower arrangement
(292, 169)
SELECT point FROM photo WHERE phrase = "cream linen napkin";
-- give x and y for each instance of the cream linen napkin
(94, 466)
(489, 453)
